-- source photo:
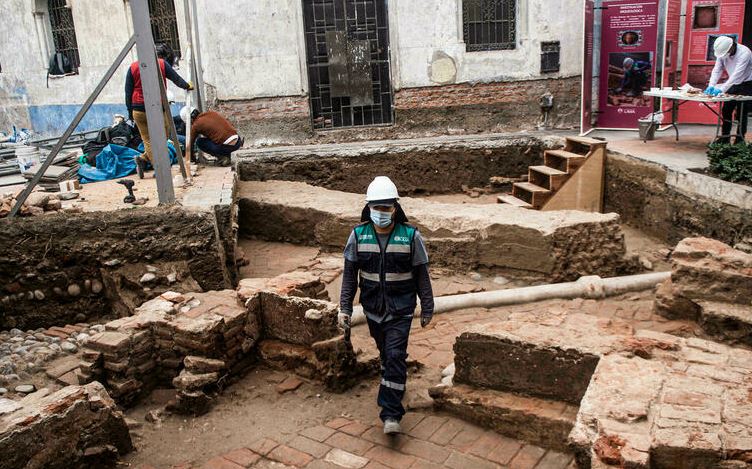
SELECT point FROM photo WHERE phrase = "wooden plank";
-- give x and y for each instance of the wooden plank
(512, 200)
(584, 189)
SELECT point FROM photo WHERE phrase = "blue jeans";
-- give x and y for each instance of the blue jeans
(217, 149)
(391, 339)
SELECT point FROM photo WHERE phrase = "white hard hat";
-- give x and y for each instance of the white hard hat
(628, 62)
(185, 112)
(722, 46)
(381, 188)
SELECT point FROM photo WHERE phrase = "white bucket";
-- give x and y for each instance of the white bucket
(28, 158)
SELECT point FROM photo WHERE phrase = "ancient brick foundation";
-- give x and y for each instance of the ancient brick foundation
(646, 399)
(197, 341)
(465, 108)
(711, 283)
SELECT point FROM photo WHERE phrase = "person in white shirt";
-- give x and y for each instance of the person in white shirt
(736, 60)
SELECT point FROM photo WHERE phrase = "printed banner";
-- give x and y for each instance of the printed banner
(628, 62)
(586, 122)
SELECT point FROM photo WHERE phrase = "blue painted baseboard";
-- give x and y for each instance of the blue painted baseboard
(53, 119)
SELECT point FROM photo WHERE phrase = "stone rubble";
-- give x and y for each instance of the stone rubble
(22, 354)
(711, 283)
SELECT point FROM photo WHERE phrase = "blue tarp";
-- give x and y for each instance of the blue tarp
(115, 162)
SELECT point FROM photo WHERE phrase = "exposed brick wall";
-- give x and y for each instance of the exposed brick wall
(473, 94)
(462, 108)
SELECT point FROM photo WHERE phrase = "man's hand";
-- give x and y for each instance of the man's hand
(190, 86)
(425, 319)
(343, 320)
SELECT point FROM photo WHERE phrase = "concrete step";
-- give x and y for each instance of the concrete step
(563, 160)
(542, 422)
(731, 322)
(533, 194)
(545, 176)
(512, 200)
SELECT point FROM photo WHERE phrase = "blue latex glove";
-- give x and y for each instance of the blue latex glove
(709, 91)
(717, 91)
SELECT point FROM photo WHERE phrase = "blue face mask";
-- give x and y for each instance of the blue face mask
(381, 219)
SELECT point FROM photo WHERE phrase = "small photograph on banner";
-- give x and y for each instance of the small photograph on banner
(705, 17)
(629, 75)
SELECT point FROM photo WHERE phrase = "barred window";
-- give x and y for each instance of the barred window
(164, 24)
(489, 24)
(550, 56)
(63, 30)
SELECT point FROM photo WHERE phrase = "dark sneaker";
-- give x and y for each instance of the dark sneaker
(140, 167)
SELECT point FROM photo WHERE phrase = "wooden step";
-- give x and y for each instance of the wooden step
(563, 160)
(586, 141)
(531, 193)
(547, 177)
(512, 200)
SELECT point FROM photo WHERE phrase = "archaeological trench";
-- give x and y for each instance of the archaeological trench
(102, 307)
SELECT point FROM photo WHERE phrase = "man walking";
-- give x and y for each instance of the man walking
(736, 60)
(390, 259)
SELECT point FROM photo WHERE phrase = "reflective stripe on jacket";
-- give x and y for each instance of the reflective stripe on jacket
(387, 286)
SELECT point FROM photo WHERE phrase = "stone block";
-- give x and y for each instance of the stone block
(64, 429)
(108, 341)
(706, 269)
(192, 382)
(201, 365)
(284, 318)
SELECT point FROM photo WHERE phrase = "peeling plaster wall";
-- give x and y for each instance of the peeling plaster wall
(102, 29)
(255, 50)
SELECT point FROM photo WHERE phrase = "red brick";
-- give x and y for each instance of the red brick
(263, 446)
(421, 464)
(485, 444)
(219, 462)
(425, 450)
(354, 428)
(58, 334)
(527, 457)
(427, 427)
(448, 431)
(314, 448)
(289, 456)
(337, 423)
(554, 460)
(349, 443)
(504, 451)
(242, 456)
(376, 435)
(375, 465)
(466, 438)
(465, 461)
(318, 433)
(390, 457)
(410, 420)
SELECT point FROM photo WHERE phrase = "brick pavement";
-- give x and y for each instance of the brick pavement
(430, 441)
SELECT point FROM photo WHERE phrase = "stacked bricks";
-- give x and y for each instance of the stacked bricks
(193, 341)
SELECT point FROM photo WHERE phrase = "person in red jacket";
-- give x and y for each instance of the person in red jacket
(134, 100)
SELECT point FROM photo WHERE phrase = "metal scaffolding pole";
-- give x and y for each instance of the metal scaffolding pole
(150, 77)
(196, 51)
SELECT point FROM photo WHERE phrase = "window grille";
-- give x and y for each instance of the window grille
(164, 24)
(63, 30)
(550, 55)
(489, 24)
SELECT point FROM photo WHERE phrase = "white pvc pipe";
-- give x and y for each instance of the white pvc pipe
(586, 287)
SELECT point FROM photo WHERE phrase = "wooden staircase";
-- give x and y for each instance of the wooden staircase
(569, 179)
